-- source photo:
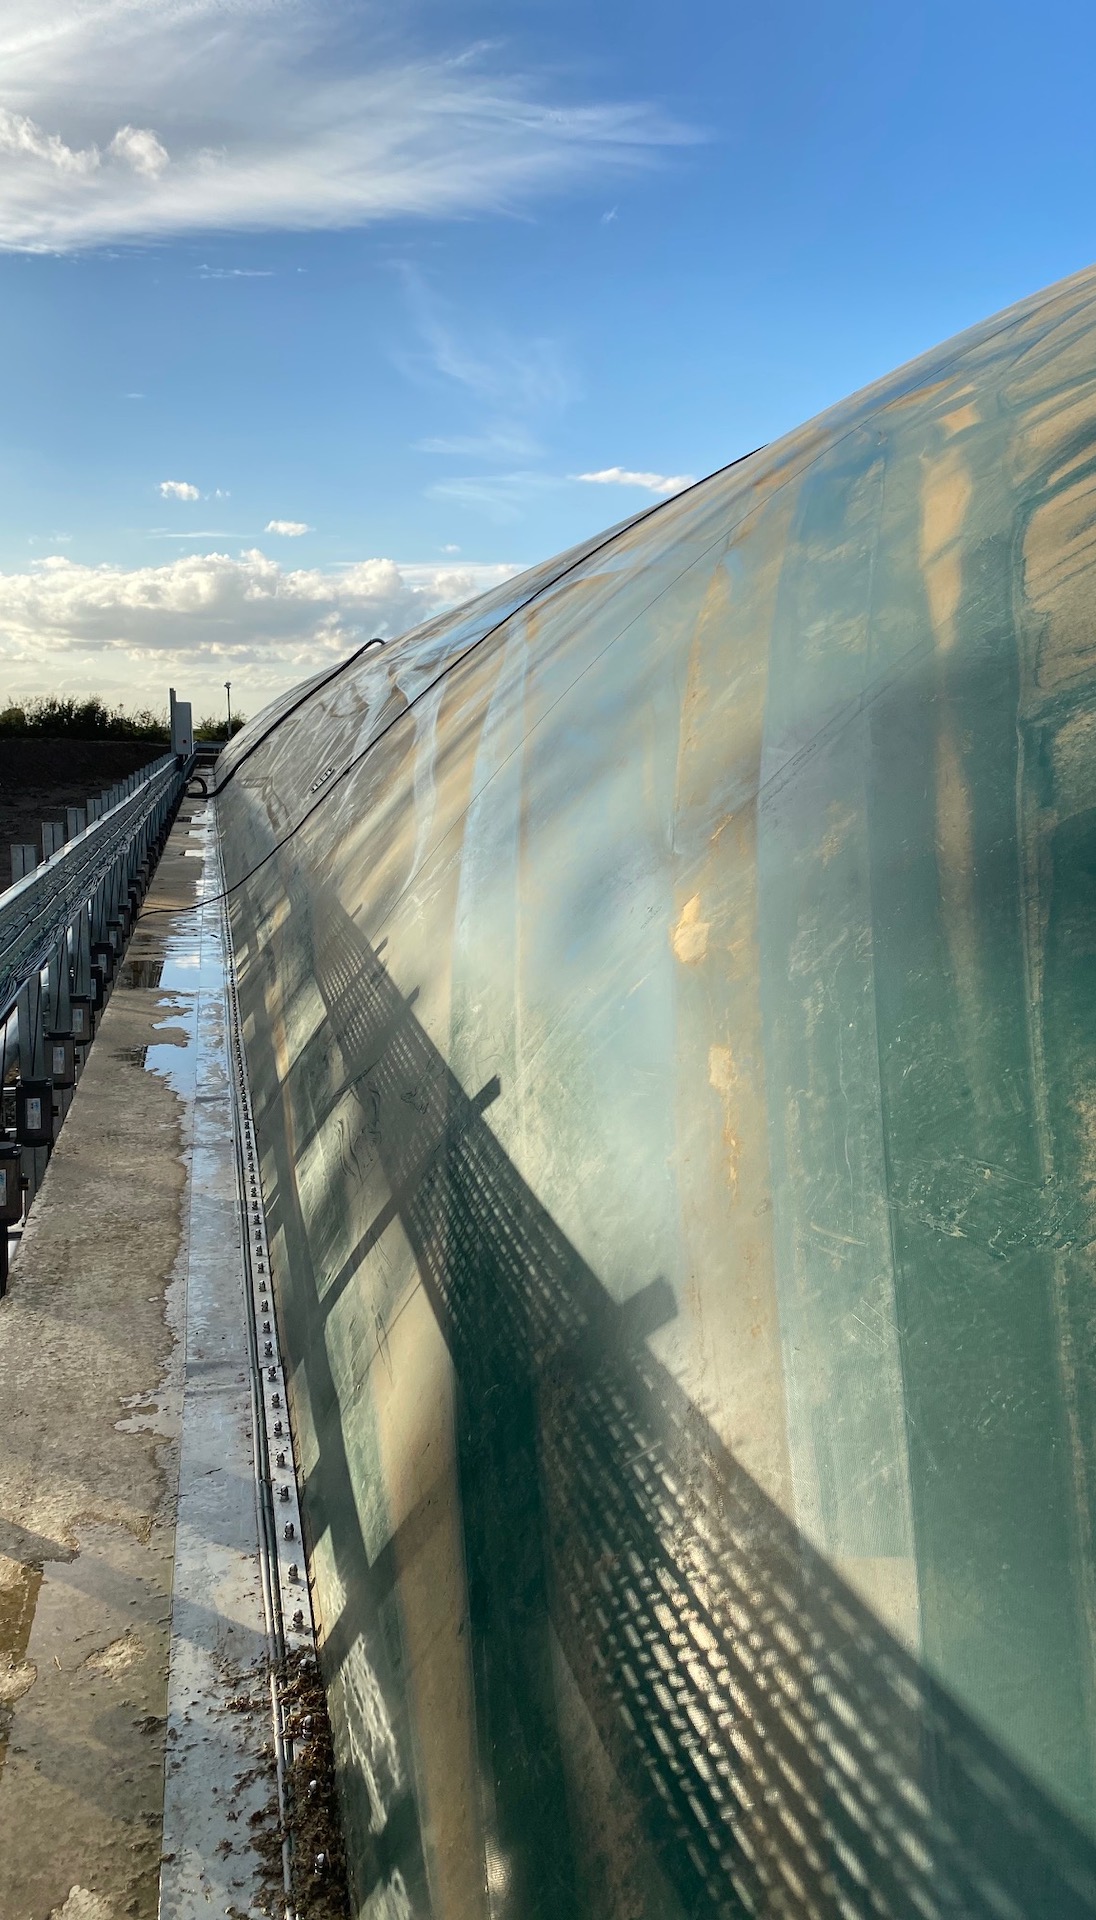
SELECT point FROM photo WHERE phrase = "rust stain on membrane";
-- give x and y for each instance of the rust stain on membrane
(723, 1076)
(689, 938)
(945, 501)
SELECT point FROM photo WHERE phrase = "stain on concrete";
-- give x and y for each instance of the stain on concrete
(117, 1655)
(84, 1905)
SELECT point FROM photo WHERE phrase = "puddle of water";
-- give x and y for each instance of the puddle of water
(167, 1058)
(191, 965)
(172, 973)
(140, 973)
(148, 1413)
(187, 973)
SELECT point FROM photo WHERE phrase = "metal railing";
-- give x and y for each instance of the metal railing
(37, 911)
(63, 925)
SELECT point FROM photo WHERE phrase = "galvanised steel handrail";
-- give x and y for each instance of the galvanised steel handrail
(37, 911)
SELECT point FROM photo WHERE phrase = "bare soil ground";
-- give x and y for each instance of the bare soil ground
(40, 778)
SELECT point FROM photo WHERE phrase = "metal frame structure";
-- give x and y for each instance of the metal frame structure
(84, 894)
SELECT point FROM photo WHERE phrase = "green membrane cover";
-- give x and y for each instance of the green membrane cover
(670, 992)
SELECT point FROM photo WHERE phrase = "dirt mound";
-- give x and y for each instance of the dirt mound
(40, 778)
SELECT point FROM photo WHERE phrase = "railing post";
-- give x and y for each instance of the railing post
(81, 951)
(24, 859)
(31, 1064)
(96, 913)
(31, 1056)
(59, 1016)
(60, 1005)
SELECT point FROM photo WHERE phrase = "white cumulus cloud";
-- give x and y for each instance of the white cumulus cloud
(626, 477)
(140, 147)
(179, 490)
(289, 529)
(136, 119)
(194, 621)
(22, 139)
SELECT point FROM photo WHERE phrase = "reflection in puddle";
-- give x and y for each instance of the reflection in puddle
(140, 973)
(170, 1060)
(183, 973)
(190, 965)
(171, 973)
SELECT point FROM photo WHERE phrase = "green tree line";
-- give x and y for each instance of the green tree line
(54, 718)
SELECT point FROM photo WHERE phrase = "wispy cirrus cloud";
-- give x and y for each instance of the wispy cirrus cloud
(493, 444)
(664, 483)
(510, 387)
(501, 497)
(131, 630)
(506, 497)
(131, 119)
(198, 533)
(235, 273)
(516, 377)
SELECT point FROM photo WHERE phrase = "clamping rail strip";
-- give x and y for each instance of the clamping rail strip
(36, 912)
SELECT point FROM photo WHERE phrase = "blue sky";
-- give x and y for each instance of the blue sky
(400, 276)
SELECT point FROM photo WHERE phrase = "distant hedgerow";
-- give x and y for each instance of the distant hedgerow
(67, 719)
(210, 728)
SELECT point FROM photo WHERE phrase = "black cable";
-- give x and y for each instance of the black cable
(590, 553)
(314, 686)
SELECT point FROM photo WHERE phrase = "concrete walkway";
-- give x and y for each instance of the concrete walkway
(132, 1639)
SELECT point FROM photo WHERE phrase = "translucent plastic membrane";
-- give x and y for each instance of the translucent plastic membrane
(671, 992)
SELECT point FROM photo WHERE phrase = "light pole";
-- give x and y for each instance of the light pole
(228, 690)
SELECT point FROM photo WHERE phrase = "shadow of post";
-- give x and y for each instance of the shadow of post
(785, 1754)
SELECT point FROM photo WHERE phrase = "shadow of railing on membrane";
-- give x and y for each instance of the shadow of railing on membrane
(783, 1754)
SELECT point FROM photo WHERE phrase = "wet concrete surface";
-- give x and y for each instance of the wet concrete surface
(93, 1385)
(220, 1796)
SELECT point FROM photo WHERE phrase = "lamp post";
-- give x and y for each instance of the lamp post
(228, 690)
